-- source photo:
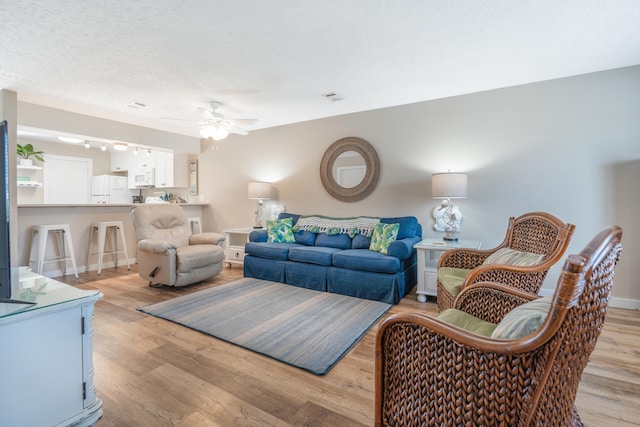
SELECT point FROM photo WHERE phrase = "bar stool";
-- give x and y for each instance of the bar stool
(194, 223)
(39, 237)
(110, 227)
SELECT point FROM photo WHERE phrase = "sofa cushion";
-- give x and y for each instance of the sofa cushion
(409, 226)
(366, 260)
(451, 278)
(510, 256)
(383, 236)
(279, 231)
(360, 242)
(339, 241)
(305, 237)
(294, 217)
(277, 251)
(320, 255)
(467, 321)
(524, 319)
(258, 235)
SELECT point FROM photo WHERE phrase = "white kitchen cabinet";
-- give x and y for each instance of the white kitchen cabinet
(139, 161)
(171, 170)
(122, 161)
(47, 355)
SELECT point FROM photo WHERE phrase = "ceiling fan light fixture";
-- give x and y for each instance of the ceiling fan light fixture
(214, 132)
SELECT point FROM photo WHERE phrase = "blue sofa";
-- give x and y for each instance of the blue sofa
(338, 263)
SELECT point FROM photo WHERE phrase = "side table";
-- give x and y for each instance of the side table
(429, 252)
(235, 238)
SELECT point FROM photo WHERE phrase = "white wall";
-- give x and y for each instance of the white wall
(568, 146)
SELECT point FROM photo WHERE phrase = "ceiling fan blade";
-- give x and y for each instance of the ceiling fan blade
(244, 122)
(206, 114)
(237, 130)
(174, 118)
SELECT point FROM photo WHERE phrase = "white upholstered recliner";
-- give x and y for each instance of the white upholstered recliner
(168, 253)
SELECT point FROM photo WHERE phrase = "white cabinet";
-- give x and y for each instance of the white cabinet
(47, 356)
(234, 241)
(138, 162)
(122, 161)
(171, 170)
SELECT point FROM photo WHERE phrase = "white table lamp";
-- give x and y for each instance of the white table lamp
(448, 186)
(259, 191)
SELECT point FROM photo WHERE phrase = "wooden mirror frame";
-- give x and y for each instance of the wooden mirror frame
(372, 163)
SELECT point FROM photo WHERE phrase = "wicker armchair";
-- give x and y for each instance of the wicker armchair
(430, 373)
(536, 232)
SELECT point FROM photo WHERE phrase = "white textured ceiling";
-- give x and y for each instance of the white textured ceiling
(273, 59)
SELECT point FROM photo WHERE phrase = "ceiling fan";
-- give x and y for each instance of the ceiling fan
(218, 127)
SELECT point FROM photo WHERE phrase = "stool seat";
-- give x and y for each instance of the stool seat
(195, 224)
(39, 238)
(110, 229)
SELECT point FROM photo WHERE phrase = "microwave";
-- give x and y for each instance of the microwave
(145, 177)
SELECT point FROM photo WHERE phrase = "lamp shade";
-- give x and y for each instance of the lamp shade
(449, 185)
(259, 190)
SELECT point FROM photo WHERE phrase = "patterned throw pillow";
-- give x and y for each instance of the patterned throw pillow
(383, 235)
(510, 256)
(279, 231)
(524, 319)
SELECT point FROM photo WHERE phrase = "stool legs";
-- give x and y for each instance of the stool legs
(42, 246)
(104, 228)
(195, 224)
(62, 242)
(67, 237)
(124, 246)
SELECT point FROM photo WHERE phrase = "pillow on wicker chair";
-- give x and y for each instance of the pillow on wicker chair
(451, 278)
(524, 319)
(510, 256)
(467, 321)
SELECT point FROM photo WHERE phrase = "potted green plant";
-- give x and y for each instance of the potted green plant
(26, 151)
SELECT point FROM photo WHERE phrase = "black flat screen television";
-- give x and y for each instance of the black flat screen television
(5, 220)
(5, 250)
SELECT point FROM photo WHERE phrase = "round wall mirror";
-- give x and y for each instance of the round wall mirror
(350, 169)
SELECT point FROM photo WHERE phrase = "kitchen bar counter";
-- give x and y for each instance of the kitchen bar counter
(101, 205)
(80, 217)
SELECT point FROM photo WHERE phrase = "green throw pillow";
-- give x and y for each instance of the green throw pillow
(467, 321)
(279, 231)
(510, 256)
(524, 319)
(383, 235)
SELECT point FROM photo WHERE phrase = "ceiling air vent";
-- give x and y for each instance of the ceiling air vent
(332, 96)
(136, 105)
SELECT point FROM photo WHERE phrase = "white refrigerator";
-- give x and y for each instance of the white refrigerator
(110, 189)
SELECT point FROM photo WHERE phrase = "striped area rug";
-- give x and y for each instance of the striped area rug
(308, 329)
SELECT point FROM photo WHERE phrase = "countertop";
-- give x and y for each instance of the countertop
(102, 205)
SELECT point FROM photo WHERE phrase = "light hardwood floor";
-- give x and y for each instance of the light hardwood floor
(151, 372)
